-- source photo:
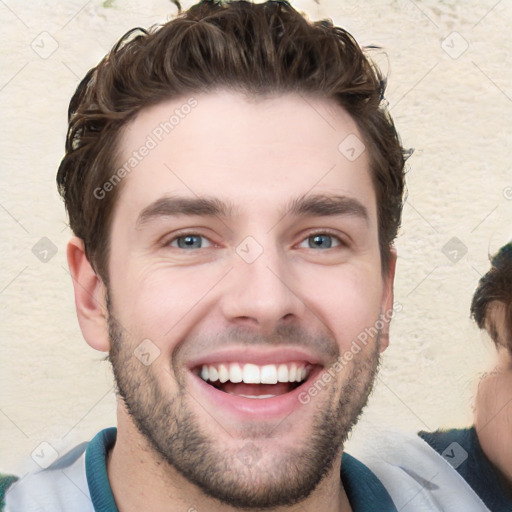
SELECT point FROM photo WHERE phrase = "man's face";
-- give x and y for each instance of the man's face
(244, 246)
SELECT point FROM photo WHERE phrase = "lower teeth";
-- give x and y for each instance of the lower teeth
(252, 396)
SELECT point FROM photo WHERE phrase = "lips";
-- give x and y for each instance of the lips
(252, 355)
(253, 380)
(249, 403)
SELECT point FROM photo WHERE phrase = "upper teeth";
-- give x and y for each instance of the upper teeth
(254, 374)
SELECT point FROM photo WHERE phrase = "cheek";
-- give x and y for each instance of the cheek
(348, 302)
(158, 302)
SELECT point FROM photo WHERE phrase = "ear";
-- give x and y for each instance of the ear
(90, 297)
(387, 312)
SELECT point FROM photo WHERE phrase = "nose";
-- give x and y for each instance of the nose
(261, 293)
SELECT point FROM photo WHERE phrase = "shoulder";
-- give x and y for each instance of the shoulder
(5, 482)
(61, 486)
(462, 449)
(65, 485)
(417, 477)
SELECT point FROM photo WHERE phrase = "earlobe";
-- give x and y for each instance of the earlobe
(90, 297)
(387, 299)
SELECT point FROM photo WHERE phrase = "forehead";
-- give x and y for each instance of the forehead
(255, 152)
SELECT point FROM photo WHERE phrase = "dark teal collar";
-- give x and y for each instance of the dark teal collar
(96, 470)
(364, 490)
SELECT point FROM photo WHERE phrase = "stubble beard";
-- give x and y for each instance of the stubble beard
(175, 436)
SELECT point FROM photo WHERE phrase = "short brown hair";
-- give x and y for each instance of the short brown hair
(495, 289)
(252, 48)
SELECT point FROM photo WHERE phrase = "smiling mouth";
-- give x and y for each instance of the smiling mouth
(255, 381)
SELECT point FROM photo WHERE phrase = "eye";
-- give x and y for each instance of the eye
(190, 241)
(320, 241)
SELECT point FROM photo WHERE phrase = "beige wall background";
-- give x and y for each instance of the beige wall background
(450, 92)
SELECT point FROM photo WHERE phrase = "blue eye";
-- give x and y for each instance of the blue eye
(190, 242)
(321, 241)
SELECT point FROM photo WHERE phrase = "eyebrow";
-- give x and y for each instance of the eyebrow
(306, 205)
(327, 205)
(175, 206)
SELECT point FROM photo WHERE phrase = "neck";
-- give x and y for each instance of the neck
(138, 477)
